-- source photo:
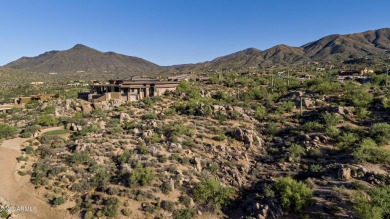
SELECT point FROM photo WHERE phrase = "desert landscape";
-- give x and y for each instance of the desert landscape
(206, 124)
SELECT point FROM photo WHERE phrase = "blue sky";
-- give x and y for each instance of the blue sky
(169, 32)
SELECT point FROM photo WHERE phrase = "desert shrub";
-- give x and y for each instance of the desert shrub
(312, 126)
(220, 116)
(221, 95)
(174, 130)
(362, 113)
(101, 176)
(185, 200)
(187, 213)
(184, 87)
(295, 196)
(295, 152)
(332, 132)
(347, 140)
(165, 188)
(357, 95)
(7, 131)
(170, 111)
(287, 106)
(373, 205)
(149, 115)
(39, 174)
(141, 176)
(57, 201)
(78, 158)
(3, 214)
(271, 129)
(111, 206)
(167, 205)
(380, 132)
(211, 194)
(28, 131)
(126, 212)
(46, 120)
(323, 87)
(124, 157)
(260, 113)
(369, 151)
(330, 119)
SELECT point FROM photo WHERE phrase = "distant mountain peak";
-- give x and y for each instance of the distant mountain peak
(251, 50)
(82, 48)
(84, 58)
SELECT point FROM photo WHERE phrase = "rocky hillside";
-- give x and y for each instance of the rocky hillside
(81, 58)
(306, 149)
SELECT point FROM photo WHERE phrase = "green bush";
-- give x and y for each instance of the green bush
(260, 112)
(373, 205)
(312, 126)
(295, 196)
(295, 152)
(184, 87)
(369, 151)
(46, 120)
(111, 206)
(187, 213)
(380, 132)
(347, 140)
(331, 119)
(141, 176)
(332, 131)
(3, 214)
(149, 115)
(78, 158)
(167, 205)
(211, 194)
(357, 95)
(57, 201)
(7, 131)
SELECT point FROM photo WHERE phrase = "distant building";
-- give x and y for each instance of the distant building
(36, 82)
(133, 89)
(38, 97)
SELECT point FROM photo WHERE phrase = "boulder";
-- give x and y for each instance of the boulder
(197, 163)
(344, 173)
(147, 134)
(249, 137)
(307, 103)
(124, 117)
(86, 108)
(43, 106)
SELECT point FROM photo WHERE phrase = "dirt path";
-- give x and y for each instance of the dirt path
(18, 192)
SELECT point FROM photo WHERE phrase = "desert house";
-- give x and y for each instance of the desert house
(38, 97)
(122, 90)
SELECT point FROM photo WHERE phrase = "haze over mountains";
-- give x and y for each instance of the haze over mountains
(373, 43)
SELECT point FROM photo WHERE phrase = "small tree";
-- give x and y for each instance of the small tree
(212, 194)
(294, 195)
(330, 119)
(7, 131)
(141, 175)
(296, 151)
(380, 132)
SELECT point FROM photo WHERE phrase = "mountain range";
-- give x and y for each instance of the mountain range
(332, 48)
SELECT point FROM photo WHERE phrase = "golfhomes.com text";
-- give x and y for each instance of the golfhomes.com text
(18, 209)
